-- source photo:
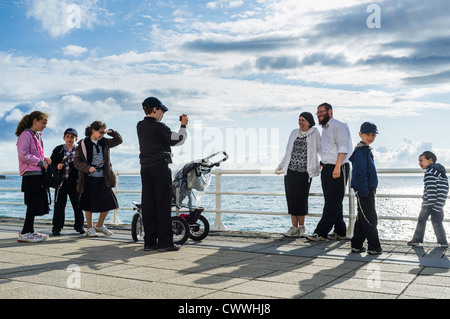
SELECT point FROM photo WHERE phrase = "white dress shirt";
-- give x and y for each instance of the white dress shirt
(336, 139)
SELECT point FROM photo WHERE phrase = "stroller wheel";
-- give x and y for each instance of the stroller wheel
(180, 229)
(200, 229)
(137, 227)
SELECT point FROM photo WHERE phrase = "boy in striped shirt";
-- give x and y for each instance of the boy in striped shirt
(434, 196)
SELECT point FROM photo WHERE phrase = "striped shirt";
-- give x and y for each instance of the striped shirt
(435, 187)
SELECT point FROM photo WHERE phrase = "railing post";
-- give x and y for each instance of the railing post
(218, 224)
(351, 208)
(114, 220)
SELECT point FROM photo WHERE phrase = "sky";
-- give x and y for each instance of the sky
(242, 70)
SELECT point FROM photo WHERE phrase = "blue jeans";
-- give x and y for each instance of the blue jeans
(436, 220)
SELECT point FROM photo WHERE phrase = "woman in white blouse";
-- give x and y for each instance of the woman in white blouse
(299, 165)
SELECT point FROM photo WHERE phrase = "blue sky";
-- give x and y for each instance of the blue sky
(242, 70)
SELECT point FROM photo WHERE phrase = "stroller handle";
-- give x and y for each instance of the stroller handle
(206, 159)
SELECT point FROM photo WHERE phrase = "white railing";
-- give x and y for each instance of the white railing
(218, 192)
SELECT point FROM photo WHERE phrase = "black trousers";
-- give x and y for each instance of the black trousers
(59, 214)
(333, 192)
(157, 205)
(366, 223)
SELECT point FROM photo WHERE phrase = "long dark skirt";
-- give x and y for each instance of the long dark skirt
(97, 197)
(297, 187)
(35, 195)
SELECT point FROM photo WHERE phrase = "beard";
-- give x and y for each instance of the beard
(326, 117)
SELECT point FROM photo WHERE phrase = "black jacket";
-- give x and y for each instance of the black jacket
(57, 158)
(155, 141)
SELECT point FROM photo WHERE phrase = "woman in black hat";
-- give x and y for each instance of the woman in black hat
(299, 165)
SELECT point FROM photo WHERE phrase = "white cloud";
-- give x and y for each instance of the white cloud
(405, 156)
(59, 17)
(211, 67)
(224, 4)
(74, 50)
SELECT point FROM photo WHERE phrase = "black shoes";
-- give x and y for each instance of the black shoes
(175, 247)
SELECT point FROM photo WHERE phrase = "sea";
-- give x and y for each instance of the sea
(388, 184)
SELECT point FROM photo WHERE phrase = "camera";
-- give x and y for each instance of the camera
(181, 118)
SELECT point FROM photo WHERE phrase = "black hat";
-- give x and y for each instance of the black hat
(368, 127)
(151, 102)
(71, 131)
(309, 117)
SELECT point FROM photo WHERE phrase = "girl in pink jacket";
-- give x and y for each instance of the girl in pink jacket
(30, 150)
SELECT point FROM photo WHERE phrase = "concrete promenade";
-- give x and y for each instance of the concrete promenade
(226, 265)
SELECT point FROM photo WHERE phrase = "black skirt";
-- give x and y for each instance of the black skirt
(297, 185)
(97, 197)
(35, 195)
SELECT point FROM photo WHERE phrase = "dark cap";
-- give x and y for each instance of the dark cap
(151, 102)
(309, 117)
(71, 131)
(368, 127)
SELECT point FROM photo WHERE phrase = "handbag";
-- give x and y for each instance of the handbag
(51, 177)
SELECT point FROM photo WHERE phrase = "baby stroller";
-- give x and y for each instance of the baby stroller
(188, 187)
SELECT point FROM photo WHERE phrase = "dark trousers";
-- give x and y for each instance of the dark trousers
(157, 205)
(333, 193)
(366, 223)
(59, 215)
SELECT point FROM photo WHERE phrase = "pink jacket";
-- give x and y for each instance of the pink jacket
(29, 153)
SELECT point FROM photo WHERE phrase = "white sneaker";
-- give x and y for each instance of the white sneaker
(104, 230)
(302, 231)
(91, 232)
(29, 238)
(43, 236)
(292, 232)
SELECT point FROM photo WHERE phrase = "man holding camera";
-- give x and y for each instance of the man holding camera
(155, 141)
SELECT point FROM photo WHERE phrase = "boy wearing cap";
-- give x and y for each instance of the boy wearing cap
(62, 159)
(365, 182)
(155, 142)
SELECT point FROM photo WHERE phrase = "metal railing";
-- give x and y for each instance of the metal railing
(218, 192)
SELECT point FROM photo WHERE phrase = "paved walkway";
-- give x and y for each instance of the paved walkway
(223, 266)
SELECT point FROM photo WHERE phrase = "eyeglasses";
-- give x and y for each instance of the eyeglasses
(102, 132)
(321, 112)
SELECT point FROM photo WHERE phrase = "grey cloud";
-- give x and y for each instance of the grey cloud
(436, 46)
(256, 44)
(406, 61)
(292, 62)
(399, 20)
(437, 78)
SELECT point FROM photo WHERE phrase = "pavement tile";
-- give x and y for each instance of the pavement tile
(226, 265)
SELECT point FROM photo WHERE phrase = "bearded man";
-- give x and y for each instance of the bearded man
(337, 147)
